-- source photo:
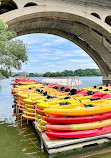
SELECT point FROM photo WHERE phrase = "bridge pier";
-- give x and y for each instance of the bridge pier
(107, 79)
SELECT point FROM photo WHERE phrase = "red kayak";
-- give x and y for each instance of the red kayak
(79, 134)
(101, 95)
(81, 119)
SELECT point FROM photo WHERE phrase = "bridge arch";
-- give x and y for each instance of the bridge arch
(96, 15)
(108, 20)
(88, 32)
(7, 6)
(30, 4)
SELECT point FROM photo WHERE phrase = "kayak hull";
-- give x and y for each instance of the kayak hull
(81, 126)
(79, 134)
(79, 119)
(78, 111)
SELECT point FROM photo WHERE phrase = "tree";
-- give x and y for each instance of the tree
(5, 73)
(13, 52)
(79, 72)
(15, 75)
(47, 74)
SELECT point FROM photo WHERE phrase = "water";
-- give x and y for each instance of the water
(86, 81)
(22, 142)
(90, 81)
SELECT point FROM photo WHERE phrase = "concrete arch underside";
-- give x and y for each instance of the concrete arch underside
(88, 32)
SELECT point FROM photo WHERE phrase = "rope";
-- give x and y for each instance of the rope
(34, 144)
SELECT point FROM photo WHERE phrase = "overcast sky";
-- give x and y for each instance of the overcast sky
(53, 53)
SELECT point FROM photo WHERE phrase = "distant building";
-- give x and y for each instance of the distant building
(21, 74)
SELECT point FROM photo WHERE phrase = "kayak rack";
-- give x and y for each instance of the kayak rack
(67, 81)
(62, 145)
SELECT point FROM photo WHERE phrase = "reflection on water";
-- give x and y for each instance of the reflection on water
(30, 143)
(21, 141)
(28, 136)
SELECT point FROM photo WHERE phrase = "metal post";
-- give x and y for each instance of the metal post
(27, 117)
(78, 83)
(21, 120)
(16, 108)
(41, 142)
(35, 116)
(41, 122)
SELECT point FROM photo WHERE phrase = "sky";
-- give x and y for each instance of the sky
(51, 53)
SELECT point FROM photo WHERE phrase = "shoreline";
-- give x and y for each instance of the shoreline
(2, 77)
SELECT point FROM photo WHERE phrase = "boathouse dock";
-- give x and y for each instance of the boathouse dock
(61, 145)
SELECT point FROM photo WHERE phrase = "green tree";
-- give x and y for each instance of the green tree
(15, 75)
(47, 74)
(1, 74)
(79, 72)
(31, 75)
(5, 73)
(13, 52)
(67, 73)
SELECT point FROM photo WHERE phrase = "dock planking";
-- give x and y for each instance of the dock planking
(61, 145)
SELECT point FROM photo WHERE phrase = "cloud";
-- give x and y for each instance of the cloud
(53, 53)
(80, 60)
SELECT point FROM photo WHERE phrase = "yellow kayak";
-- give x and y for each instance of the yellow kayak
(29, 117)
(33, 101)
(30, 106)
(29, 113)
(58, 103)
(42, 127)
(79, 111)
(30, 110)
(42, 122)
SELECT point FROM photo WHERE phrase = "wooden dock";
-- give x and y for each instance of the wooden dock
(61, 145)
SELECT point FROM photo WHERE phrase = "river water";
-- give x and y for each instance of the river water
(23, 142)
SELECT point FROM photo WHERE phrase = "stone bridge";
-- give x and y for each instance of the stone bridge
(86, 23)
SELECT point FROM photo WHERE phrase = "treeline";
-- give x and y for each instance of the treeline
(34, 75)
(79, 72)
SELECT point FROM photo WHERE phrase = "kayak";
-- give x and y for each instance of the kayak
(79, 111)
(33, 101)
(31, 117)
(42, 122)
(79, 119)
(79, 134)
(21, 106)
(29, 113)
(59, 103)
(42, 127)
(30, 110)
(28, 117)
(30, 106)
(81, 126)
(40, 111)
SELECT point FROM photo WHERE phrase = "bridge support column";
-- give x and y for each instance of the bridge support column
(107, 79)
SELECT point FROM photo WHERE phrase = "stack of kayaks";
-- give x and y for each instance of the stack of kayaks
(79, 122)
(65, 112)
